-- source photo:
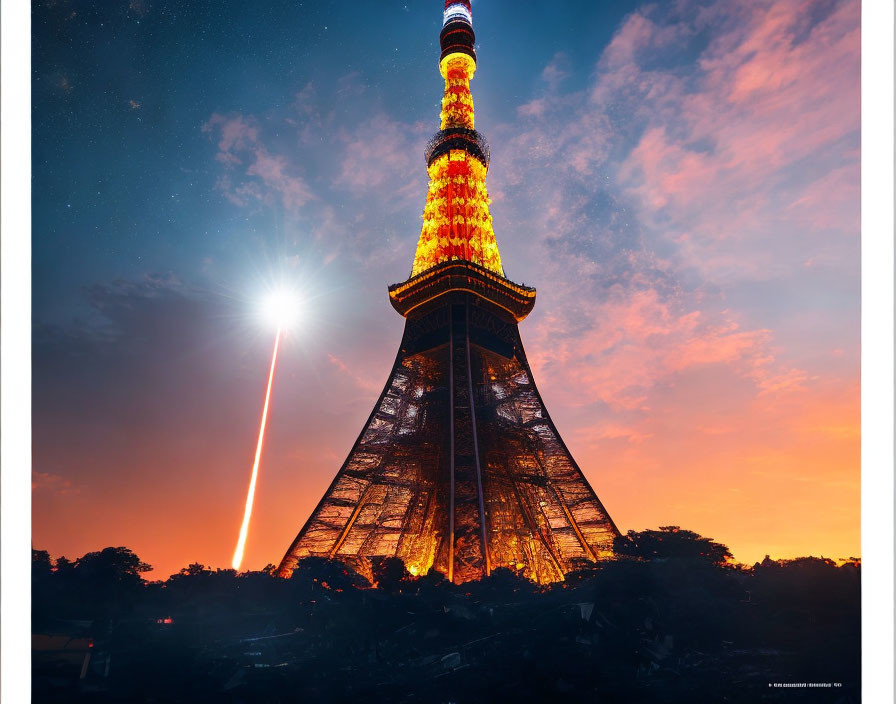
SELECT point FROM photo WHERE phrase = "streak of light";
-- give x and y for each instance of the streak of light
(250, 497)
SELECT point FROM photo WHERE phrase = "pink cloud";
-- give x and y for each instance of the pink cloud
(557, 70)
(272, 170)
(635, 341)
(234, 133)
(305, 100)
(668, 171)
(267, 175)
(638, 33)
(384, 155)
(534, 108)
(738, 163)
(767, 99)
(52, 483)
(829, 201)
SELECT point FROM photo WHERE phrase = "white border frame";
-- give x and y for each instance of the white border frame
(877, 350)
(15, 358)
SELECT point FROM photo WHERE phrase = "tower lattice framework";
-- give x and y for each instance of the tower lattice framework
(459, 466)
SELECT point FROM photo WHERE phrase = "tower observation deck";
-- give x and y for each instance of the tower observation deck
(459, 467)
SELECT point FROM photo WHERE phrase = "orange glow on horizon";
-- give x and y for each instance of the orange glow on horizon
(250, 497)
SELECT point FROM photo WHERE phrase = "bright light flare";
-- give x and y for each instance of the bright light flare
(282, 308)
(250, 497)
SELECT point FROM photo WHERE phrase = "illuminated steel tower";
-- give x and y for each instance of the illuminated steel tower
(459, 466)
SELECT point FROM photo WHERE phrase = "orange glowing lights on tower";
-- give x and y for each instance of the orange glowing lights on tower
(457, 103)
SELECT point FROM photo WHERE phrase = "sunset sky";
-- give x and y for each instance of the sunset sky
(679, 180)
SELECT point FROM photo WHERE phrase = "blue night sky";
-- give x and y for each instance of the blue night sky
(679, 181)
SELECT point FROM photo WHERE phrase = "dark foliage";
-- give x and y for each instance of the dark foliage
(670, 621)
(671, 542)
(390, 575)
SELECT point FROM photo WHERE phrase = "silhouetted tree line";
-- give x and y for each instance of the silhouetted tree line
(672, 619)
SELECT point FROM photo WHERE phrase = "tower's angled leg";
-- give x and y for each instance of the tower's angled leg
(389, 499)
